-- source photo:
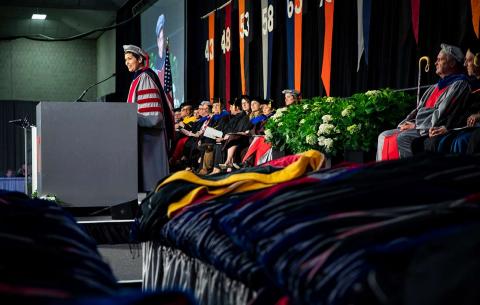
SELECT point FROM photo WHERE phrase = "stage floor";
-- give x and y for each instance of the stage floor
(115, 246)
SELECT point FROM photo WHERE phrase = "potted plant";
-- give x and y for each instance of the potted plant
(336, 125)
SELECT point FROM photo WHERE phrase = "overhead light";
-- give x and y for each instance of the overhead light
(39, 16)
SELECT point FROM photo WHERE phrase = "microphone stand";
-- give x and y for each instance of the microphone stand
(79, 99)
(24, 123)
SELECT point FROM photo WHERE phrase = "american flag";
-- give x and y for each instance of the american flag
(167, 80)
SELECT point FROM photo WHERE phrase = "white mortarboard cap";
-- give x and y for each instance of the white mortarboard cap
(453, 51)
(291, 91)
(134, 49)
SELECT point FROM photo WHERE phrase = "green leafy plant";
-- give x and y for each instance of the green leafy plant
(49, 197)
(333, 125)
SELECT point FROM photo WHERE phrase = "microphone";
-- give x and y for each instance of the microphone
(20, 122)
(79, 99)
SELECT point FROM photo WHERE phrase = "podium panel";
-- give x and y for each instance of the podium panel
(87, 152)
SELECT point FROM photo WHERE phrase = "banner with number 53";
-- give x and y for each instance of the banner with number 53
(245, 32)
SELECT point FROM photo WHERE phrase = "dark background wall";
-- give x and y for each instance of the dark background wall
(38, 70)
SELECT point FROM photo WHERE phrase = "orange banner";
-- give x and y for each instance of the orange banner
(211, 68)
(241, 13)
(476, 17)
(298, 44)
(327, 46)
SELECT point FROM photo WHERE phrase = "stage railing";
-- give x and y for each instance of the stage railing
(412, 88)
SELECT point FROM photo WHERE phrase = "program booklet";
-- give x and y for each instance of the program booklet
(212, 133)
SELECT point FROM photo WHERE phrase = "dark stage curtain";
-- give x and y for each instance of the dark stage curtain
(12, 154)
(392, 58)
(128, 33)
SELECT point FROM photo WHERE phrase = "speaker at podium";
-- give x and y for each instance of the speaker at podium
(86, 153)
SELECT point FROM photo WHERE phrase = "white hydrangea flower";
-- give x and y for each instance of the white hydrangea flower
(49, 197)
(268, 134)
(353, 128)
(325, 129)
(281, 110)
(329, 99)
(278, 113)
(311, 139)
(347, 111)
(328, 144)
(321, 141)
(305, 107)
(327, 118)
(372, 92)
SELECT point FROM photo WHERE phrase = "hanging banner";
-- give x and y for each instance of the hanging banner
(209, 54)
(206, 59)
(298, 8)
(245, 31)
(211, 62)
(294, 43)
(225, 22)
(364, 8)
(327, 44)
(415, 17)
(268, 25)
(476, 16)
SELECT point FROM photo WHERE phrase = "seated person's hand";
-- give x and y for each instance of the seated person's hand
(436, 131)
(407, 125)
(473, 119)
(218, 140)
